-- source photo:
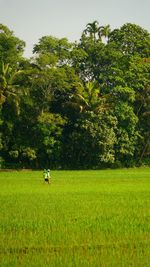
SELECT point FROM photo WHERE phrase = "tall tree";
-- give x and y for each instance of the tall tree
(105, 32)
(51, 51)
(93, 30)
(11, 47)
(131, 39)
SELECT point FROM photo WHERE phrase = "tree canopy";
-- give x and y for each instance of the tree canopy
(76, 105)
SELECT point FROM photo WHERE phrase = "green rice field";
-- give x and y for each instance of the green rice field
(83, 218)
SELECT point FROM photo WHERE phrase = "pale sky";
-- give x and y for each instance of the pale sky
(32, 19)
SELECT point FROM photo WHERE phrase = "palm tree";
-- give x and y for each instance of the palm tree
(88, 98)
(93, 29)
(105, 31)
(9, 89)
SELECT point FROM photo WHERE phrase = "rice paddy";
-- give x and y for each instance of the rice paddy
(83, 218)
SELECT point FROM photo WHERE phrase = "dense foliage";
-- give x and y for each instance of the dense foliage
(76, 105)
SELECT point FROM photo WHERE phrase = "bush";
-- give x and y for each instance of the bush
(146, 162)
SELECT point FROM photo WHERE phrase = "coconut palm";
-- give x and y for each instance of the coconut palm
(9, 89)
(88, 97)
(105, 31)
(93, 30)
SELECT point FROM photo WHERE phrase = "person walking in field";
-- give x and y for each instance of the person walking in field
(46, 175)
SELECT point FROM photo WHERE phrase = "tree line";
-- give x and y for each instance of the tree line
(76, 105)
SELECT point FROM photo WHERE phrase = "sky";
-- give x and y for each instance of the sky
(32, 19)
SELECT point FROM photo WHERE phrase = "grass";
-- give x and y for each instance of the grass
(84, 218)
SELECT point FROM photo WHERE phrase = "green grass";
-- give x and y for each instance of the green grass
(84, 218)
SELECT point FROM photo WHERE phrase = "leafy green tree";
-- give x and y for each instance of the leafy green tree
(139, 71)
(52, 51)
(90, 142)
(11, 50)
(11, 47)
(49, 131)
(131, 39)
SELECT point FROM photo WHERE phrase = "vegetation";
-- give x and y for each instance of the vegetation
(76, 105)
(84, 218)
